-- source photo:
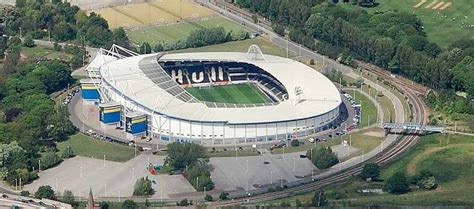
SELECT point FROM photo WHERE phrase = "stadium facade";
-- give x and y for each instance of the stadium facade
(301, 101)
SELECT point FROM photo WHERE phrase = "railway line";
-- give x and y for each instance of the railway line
(391, 153)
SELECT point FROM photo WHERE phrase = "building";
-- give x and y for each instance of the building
(90, 202)
(302, 100)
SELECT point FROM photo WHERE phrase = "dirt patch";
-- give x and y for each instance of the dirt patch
(431, 4)
(438, 5)
(379, 134)
(445, 6)
(420, 3)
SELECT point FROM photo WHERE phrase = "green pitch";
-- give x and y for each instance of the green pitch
(442, 26)
(174, 32)
(235, 94)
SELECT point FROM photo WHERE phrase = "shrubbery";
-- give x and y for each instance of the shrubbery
(323, 157)
(143, 187)
(398, 183)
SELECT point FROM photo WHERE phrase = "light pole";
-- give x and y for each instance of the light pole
(294, 164)
(271, 177)
(197, 183)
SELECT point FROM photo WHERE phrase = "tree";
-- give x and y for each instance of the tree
(68, 197)
(208, 198)
(143, 187)
(129, 204)
(25, 193)
(285, 204)
(121, 38)
(145, 48)
(323, 157)
(223, 196)
(295, 143)
(104, 205)
(370, 170)
(158, 47)
(398, 183)
(46, 192)
(319, 199)
(49, 159)
(184, 154)
(29, 42)
(183, 202)
(199, 177)
(67, 153)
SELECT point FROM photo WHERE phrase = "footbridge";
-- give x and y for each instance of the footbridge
(412, 127)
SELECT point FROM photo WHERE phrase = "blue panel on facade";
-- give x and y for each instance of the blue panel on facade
(113, 117)
(139, 127)
(165, 138)
(90, 94)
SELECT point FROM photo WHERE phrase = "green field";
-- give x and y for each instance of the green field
(241, 46)
(44, 52)
(179, 31)
(83, 145)
(448, 157)
(235, 94)
(442, 26)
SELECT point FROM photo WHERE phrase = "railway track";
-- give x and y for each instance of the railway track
(390, 154)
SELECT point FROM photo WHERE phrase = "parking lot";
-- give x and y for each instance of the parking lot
(109, 179)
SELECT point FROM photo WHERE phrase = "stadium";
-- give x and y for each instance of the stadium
(214, 98)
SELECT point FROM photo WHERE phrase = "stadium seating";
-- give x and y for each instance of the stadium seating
(196, 73)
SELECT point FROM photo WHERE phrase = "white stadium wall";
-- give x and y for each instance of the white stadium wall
(208, 130)
(219, 133)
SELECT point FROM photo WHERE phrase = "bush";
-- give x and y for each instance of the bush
(370, 170)
(202, 172)
(397, 183)
(49, 159)
(323, 158)
(224, 196)
(67, 153)
(183, 202)
(319, 199)
(143, 187)
(285, 204)
(57, 47)
(45, 191)
(68, 197)
(25, 193)
(208, 198)
(424, 179)
(28, 42)
(129, 204)
(295, 143)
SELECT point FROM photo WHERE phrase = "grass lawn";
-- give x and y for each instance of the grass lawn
(241, 46)
(83, 145)
(448, 157)
(442, 26)
(44, 52)
(235, 94)
(179, 31)
(363, 140)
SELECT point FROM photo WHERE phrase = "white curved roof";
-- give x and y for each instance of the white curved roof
(319, 93)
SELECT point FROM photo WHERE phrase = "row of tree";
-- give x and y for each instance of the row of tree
(393, 40)
(197, 38)
(191, 158)
(61, 22)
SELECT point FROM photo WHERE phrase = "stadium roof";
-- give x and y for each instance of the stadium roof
(319, 93)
